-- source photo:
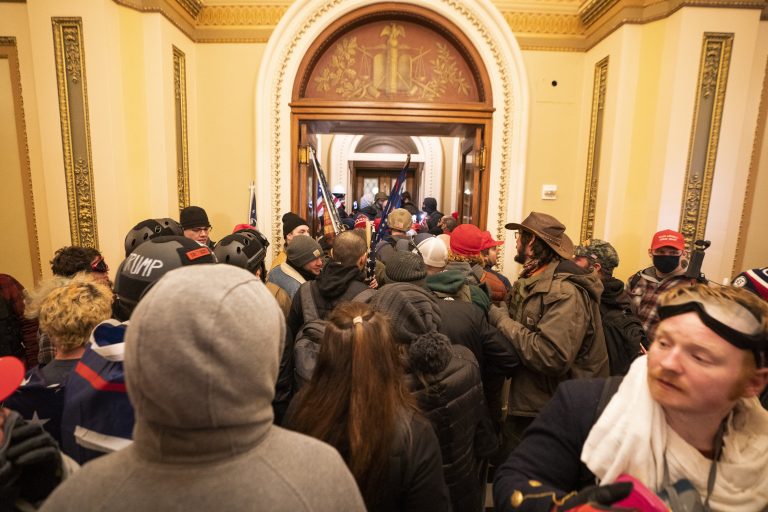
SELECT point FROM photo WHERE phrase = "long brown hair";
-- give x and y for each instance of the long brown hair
(356, 396)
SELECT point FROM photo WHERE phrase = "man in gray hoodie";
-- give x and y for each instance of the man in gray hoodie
(202, 353)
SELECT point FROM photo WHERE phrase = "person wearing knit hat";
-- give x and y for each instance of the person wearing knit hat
(624, 333)
(227, 349)
(755, 280)
(445, 379)
(304, 260)
(399, 222)
(195, 225)
(293, 226)
(406, 267)
(551, 318)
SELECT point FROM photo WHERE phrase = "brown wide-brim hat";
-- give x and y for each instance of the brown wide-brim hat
(550, 230)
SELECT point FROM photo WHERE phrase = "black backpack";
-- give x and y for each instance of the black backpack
(624, 335)
(307, 343)
(10, 331)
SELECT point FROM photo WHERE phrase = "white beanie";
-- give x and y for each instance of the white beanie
(434, 252)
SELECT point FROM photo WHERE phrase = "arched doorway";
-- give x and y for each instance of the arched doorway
(386, 71)
(476, 32)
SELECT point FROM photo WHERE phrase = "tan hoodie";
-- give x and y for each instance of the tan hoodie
(202, 353)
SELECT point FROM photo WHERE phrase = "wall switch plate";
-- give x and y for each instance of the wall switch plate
(549, 192)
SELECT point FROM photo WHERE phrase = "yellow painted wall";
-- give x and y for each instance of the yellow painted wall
(756, 240)
(226, 88)
(14, 22)
(16, 256)
(554, 139)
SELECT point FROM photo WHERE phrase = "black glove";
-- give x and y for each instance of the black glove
(35, 455)
(9, 475)
(598, 497)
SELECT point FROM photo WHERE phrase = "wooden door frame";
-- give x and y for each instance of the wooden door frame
(459, 121)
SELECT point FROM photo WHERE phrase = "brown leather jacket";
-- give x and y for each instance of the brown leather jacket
(560, 337)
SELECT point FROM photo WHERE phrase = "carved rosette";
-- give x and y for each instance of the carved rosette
(75, 130)
(182, 145)
(593, 151)
(705, 134)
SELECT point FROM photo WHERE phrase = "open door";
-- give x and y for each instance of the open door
(471, 170)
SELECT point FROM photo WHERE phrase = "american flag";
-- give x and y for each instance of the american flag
(321, 204)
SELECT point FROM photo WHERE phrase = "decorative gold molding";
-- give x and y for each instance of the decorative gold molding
(9, 50)
(182, 145)
(705, 134)
(754, 166)
(75, 130)
(554, 25)
(193, 7)
(593, 151)
(591, 10)
(264, 15)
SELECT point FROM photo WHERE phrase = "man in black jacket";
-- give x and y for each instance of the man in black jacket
(625, 337)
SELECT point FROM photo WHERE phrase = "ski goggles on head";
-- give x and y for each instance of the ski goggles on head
(99, 265)
(728, 319)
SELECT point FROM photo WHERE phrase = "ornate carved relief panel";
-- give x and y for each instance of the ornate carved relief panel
(75, 130)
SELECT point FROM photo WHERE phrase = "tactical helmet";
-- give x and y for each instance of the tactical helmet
(148, 229)
(148, 263)
(246, 249)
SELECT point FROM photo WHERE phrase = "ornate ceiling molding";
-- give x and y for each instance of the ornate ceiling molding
(560, 25)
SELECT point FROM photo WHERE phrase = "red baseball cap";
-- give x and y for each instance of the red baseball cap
(668, 238)
(11, 375)
(489, 242)
(467, 239)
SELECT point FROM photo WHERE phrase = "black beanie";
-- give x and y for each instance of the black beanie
(405, 267)
(291, 221)
(412, 309)
(193, 217)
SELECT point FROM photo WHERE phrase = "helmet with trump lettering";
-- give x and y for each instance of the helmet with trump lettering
(148, 263)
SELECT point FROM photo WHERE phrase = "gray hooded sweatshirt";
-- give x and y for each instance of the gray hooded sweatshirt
(202, 354)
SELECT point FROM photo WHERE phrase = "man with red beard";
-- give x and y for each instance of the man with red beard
(685, 422)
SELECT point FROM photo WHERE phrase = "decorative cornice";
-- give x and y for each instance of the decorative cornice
(548, 25)
(265, 15)
(591, 10)
(193, 7)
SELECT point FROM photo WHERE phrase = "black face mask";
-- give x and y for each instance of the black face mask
(666, 264)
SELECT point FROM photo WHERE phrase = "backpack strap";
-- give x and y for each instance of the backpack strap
(609, 389)
(308, 306)
(633, 281)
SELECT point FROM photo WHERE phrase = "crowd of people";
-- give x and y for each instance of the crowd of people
(401, 375)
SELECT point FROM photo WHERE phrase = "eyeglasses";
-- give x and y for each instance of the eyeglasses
(517, 235)
(200, 230)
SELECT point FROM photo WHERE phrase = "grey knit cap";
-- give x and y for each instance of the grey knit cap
(406, 267)
(302, 250)
(412, 309)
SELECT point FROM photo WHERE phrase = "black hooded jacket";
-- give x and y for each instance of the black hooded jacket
(624, 333)
(336, 283)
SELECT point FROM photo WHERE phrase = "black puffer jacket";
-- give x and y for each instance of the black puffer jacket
(445, 379)
(466, 325)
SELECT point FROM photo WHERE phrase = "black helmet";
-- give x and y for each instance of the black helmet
(148, 263)
(148, 229)
(246, 249)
